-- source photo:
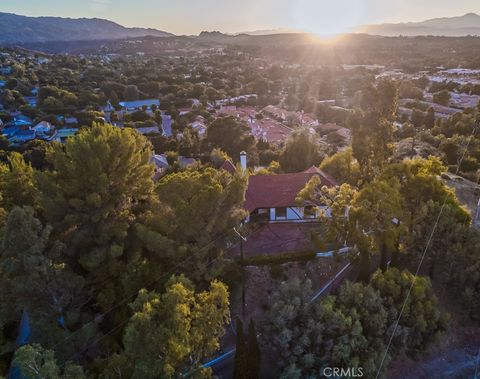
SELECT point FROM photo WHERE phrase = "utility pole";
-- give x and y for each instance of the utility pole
(243, 278)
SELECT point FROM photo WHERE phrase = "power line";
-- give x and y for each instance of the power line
(126, 299)
(124, 322)
(427, 246)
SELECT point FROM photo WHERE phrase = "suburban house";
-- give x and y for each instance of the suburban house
(109, 107)
(269, 130)
(148, 130)
(199, 126)
(271, 198)
(139, 104)
(275, 112)
(21, 121)
(280, 224)
(235, 99)
(43, 128)
(166, 125)
(71, 120)
(335, 131)
(161, 163)
(18, 130)
(63, 134)
(22, 136)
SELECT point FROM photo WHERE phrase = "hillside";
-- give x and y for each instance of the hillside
(468, 24)
(23, 29)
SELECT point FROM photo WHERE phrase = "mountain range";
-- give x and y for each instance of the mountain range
(468, 24)
(15, 29)
(24, 29)
(272, 31)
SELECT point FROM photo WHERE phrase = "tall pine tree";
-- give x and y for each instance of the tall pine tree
(240, 370)
(253, 353)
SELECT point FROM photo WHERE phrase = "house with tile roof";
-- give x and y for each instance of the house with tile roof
(269, 130)
(280, 224)
(271, 198)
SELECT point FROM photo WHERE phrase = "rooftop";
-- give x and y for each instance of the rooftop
(271, 191)
(66, 132)
(148, 130)
(139, 103)
(228, 166)
(167, 125)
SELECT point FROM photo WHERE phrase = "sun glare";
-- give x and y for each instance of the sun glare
(327, 18)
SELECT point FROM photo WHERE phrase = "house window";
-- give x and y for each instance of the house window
(281, 213)
(309, 212)
(260, 215)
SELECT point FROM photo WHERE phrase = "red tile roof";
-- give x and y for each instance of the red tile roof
(270, 130)
(327, 128)
(228, 166)
(270, 191)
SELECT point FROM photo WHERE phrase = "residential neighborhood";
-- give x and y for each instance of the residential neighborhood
(230, 204)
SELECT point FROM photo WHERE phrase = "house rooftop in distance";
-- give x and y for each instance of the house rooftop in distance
(21, 136)
(64, 133)
(228, 166)
(137, 104)
(167, 125)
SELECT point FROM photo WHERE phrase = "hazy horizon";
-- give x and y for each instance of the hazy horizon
(184, 17)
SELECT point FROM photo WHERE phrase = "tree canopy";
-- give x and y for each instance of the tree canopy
(93, 201)
(172, 332)
(300, 152)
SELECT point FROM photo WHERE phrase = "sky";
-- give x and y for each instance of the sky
(323, 17)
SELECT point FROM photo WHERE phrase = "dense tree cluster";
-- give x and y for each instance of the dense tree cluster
(403, 211)
(351, 328)
(91, 232)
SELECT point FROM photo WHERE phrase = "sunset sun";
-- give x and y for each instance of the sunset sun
(325, 18)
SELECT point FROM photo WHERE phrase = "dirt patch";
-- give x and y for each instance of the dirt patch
(261, 282)
(275, 238)
(468, 192)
